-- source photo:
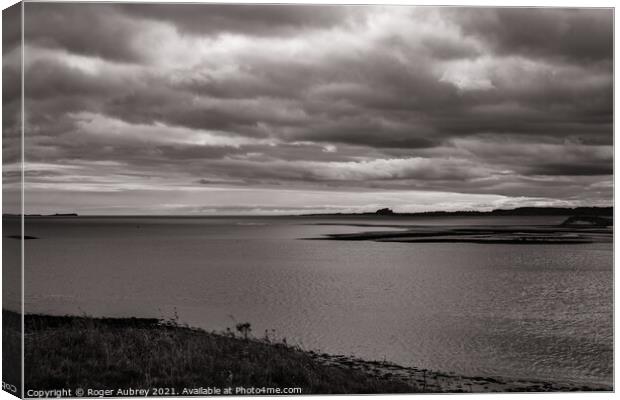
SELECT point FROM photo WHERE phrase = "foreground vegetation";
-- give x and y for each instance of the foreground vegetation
(11, 354)
(131, 353)
(70, 352)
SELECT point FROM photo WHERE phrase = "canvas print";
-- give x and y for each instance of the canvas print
(293, 199)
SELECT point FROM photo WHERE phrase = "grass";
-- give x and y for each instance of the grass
(69, 352)
(11, 345)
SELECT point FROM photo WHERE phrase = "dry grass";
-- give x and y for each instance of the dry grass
(64, 352)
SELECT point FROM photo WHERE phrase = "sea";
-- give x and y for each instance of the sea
(540, 311)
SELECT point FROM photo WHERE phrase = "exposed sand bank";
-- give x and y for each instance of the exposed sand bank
(483, 234)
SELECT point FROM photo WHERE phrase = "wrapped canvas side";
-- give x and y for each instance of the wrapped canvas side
(12, 194)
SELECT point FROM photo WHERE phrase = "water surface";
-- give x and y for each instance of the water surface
(531, 311)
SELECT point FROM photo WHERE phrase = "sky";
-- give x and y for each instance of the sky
(288, 109)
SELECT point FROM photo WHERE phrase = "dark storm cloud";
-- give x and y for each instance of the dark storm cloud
(11, 89)
(574, 169)
(86, 29)
(179, 108)
(570, 34)
(493, 102)
(68, 81)
(11, 28)
(248, 19)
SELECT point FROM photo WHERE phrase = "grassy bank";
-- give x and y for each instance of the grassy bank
(70, 352)
(11, 351)
(109, 353)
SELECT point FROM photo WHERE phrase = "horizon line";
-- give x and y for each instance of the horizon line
(310, 214)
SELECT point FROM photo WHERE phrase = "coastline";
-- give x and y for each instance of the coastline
(433, 381)
(147, 353)
(522, 235)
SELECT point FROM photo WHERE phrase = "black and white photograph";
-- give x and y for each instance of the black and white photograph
(242, 199)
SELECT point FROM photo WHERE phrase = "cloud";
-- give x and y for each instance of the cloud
(11, 31)
(101, 125)
(255, 20)
(581, 35)
(95, 30)
(403, 99)
(389, 169)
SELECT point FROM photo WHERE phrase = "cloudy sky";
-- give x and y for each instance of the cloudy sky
(184, 109)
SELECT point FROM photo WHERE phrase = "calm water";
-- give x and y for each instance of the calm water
(541, 311)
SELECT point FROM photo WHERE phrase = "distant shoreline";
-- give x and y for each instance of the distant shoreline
(520, 211)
